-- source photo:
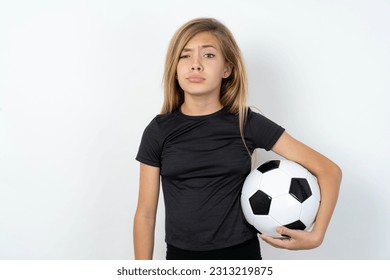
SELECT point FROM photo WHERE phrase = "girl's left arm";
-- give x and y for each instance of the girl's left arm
(329, 178)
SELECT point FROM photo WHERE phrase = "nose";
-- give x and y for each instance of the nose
(196, 63)
(196, 67)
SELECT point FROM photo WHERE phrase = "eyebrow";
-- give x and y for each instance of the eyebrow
(202, 47)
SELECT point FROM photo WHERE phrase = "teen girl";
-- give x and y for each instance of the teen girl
(200, 147)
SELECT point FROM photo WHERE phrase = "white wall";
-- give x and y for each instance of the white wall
(80, 80)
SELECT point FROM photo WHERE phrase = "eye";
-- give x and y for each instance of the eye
(209, 55)
(184, 56)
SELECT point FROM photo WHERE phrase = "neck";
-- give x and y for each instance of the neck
(193, 107)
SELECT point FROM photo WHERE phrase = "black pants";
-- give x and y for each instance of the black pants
(249, 250)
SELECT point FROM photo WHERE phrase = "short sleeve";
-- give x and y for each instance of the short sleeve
(264, 132)
(149, 151)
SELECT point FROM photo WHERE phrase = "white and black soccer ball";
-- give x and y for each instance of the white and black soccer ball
(280, 193)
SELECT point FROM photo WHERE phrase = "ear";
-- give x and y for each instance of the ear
(227, 71)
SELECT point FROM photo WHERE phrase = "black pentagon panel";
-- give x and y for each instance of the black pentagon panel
(296, 225)
(300, 189)
(260, 203)
(268, 166)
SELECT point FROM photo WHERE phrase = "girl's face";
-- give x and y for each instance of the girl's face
(201, 66)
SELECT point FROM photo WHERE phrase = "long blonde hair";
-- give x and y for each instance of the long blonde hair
(234, 89)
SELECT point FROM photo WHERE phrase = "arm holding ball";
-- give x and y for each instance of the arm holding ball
(329, 179)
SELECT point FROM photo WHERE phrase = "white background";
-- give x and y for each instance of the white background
(80, 80)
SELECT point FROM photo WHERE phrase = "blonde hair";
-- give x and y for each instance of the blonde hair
(233, 94)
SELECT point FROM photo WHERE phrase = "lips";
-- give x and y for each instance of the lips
(195, 79)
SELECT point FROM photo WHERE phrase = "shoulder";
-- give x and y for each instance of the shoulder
(163, 119)
(153, 139)
(264, 131)
(255, 119)
(161, 123)
(253, 116)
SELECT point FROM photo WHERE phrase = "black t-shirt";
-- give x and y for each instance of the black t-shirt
(203, 164)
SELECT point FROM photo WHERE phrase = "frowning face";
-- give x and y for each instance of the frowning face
(202, 66)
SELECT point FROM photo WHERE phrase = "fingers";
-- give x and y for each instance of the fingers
(285, 243)
(296, 239)
(286, 232)
(282, 243)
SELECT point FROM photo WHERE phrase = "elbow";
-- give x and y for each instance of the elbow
(334, 171)
(330, 170)
(337, 173)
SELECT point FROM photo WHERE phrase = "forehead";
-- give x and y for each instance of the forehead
(203, 39)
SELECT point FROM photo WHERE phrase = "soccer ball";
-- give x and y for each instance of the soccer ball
(280, 193)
